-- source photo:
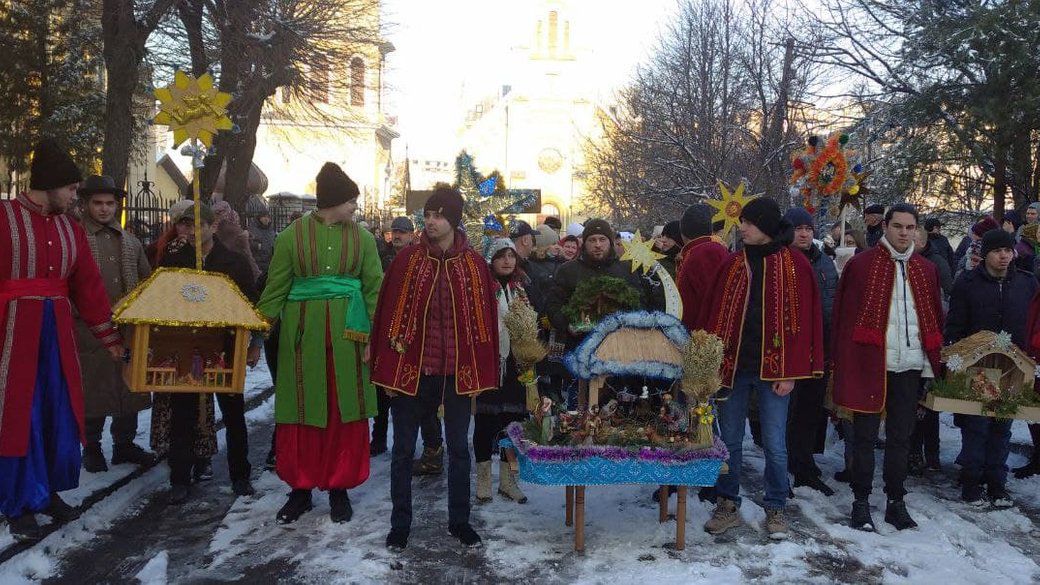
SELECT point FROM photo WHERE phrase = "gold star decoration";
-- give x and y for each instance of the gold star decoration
(729, 206)
(193, 108)
(641, 253)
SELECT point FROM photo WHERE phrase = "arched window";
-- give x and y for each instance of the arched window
(320, 81)
(553, 25)
(357, 82)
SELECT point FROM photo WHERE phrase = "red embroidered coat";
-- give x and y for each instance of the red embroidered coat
(701, 259)
(401, 335)
(861, 313)
(43, 257)
(792, 316)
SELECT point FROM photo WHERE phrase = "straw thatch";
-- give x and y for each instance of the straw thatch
(626, 346)
(182, 297)
(971, 350)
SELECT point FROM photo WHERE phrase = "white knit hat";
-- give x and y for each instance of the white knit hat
(178, 208)
(496, 246)
(575, 229)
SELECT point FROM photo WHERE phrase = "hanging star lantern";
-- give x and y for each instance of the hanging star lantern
(193, 108)
(641, 253)
(730, 206)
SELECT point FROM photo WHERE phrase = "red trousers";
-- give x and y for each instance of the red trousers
(333, 458)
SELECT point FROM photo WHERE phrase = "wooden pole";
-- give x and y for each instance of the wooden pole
(197, 196)
(680, 519)
(570, 506)
(662, 504)
(579, 518)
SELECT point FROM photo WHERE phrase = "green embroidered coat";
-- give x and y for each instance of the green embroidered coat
(308, 248)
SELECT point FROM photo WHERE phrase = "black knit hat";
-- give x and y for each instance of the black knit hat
(671, 230)
(448, 202)
(997, 239)
(334, 187)
(696, 221)
(52, 167)
(597, 227)
(875, 209)
(764, 213)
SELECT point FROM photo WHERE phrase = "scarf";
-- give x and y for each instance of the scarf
(872, 320)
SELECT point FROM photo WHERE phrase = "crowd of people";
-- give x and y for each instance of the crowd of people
(409, 327)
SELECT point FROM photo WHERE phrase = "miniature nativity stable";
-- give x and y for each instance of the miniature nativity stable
(190, 332)
(605, 447)
(987, 375)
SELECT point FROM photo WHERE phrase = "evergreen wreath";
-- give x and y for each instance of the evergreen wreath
(598, 297)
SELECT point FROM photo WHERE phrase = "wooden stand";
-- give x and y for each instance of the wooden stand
(575, 499)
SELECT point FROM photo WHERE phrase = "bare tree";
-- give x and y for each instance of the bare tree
(126, 26)
(303, 50)
(712, 103)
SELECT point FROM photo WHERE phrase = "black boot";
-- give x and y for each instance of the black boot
(466, 535)
(299, 503)
(896, 515)
(242, 487)
(24, 528)
(397, 540)
(1031, 468)
(94, 459)
(59, 510)
(339, 504)
(844, 476)
(179, 494)
(861, 519)
(707, 494)
(131, 453)
(203, 470)
(813, 482)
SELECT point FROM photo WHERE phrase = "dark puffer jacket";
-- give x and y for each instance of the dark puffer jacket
(827, 277)
(439, 346)
(935, 255)
(570, 274)
(981, 302)
(541, 269)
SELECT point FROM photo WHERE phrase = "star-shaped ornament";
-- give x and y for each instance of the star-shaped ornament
(193, 108)
(729, 206)
(641, 253)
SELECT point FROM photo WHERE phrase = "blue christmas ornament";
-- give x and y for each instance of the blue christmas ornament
(858, 168)
(491, 223)
(487, 187)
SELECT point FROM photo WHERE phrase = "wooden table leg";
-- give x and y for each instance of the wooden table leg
(662, 504)
(579, 518)
(570, 506)
(680, 519)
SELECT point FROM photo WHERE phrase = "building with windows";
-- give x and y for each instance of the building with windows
(534, 130)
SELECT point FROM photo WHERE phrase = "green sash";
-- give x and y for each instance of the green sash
(336, 286)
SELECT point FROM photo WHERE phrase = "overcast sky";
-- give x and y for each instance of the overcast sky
(450, 51)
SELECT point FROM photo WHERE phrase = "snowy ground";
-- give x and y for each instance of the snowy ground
(131, 536)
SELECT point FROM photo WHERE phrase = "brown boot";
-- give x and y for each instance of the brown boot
(725, 516)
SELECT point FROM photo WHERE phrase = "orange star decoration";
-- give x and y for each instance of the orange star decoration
(193, 108)
(730, 206)
(641, 253)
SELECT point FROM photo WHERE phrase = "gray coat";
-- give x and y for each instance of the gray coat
(261, 243)
(122, 262)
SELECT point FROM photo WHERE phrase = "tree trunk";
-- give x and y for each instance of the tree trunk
(123, 70)
(1000, 185)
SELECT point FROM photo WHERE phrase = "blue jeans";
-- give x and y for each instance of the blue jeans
(984, 452)
(409, 414)
(733, 421)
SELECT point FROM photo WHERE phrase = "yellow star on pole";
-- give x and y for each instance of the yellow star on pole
(730, 206)
(193, 108)
(641, 253)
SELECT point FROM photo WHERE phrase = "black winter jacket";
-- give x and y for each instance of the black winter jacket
(981, 302)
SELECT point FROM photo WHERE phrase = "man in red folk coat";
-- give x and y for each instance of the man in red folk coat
(701, 256)
(888, 324)
(435, 341)
(766, 309)
(45, 268)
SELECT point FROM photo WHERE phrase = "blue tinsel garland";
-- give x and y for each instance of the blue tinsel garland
(584, 365)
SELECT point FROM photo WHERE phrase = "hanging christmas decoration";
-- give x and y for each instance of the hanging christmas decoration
(822, 169)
